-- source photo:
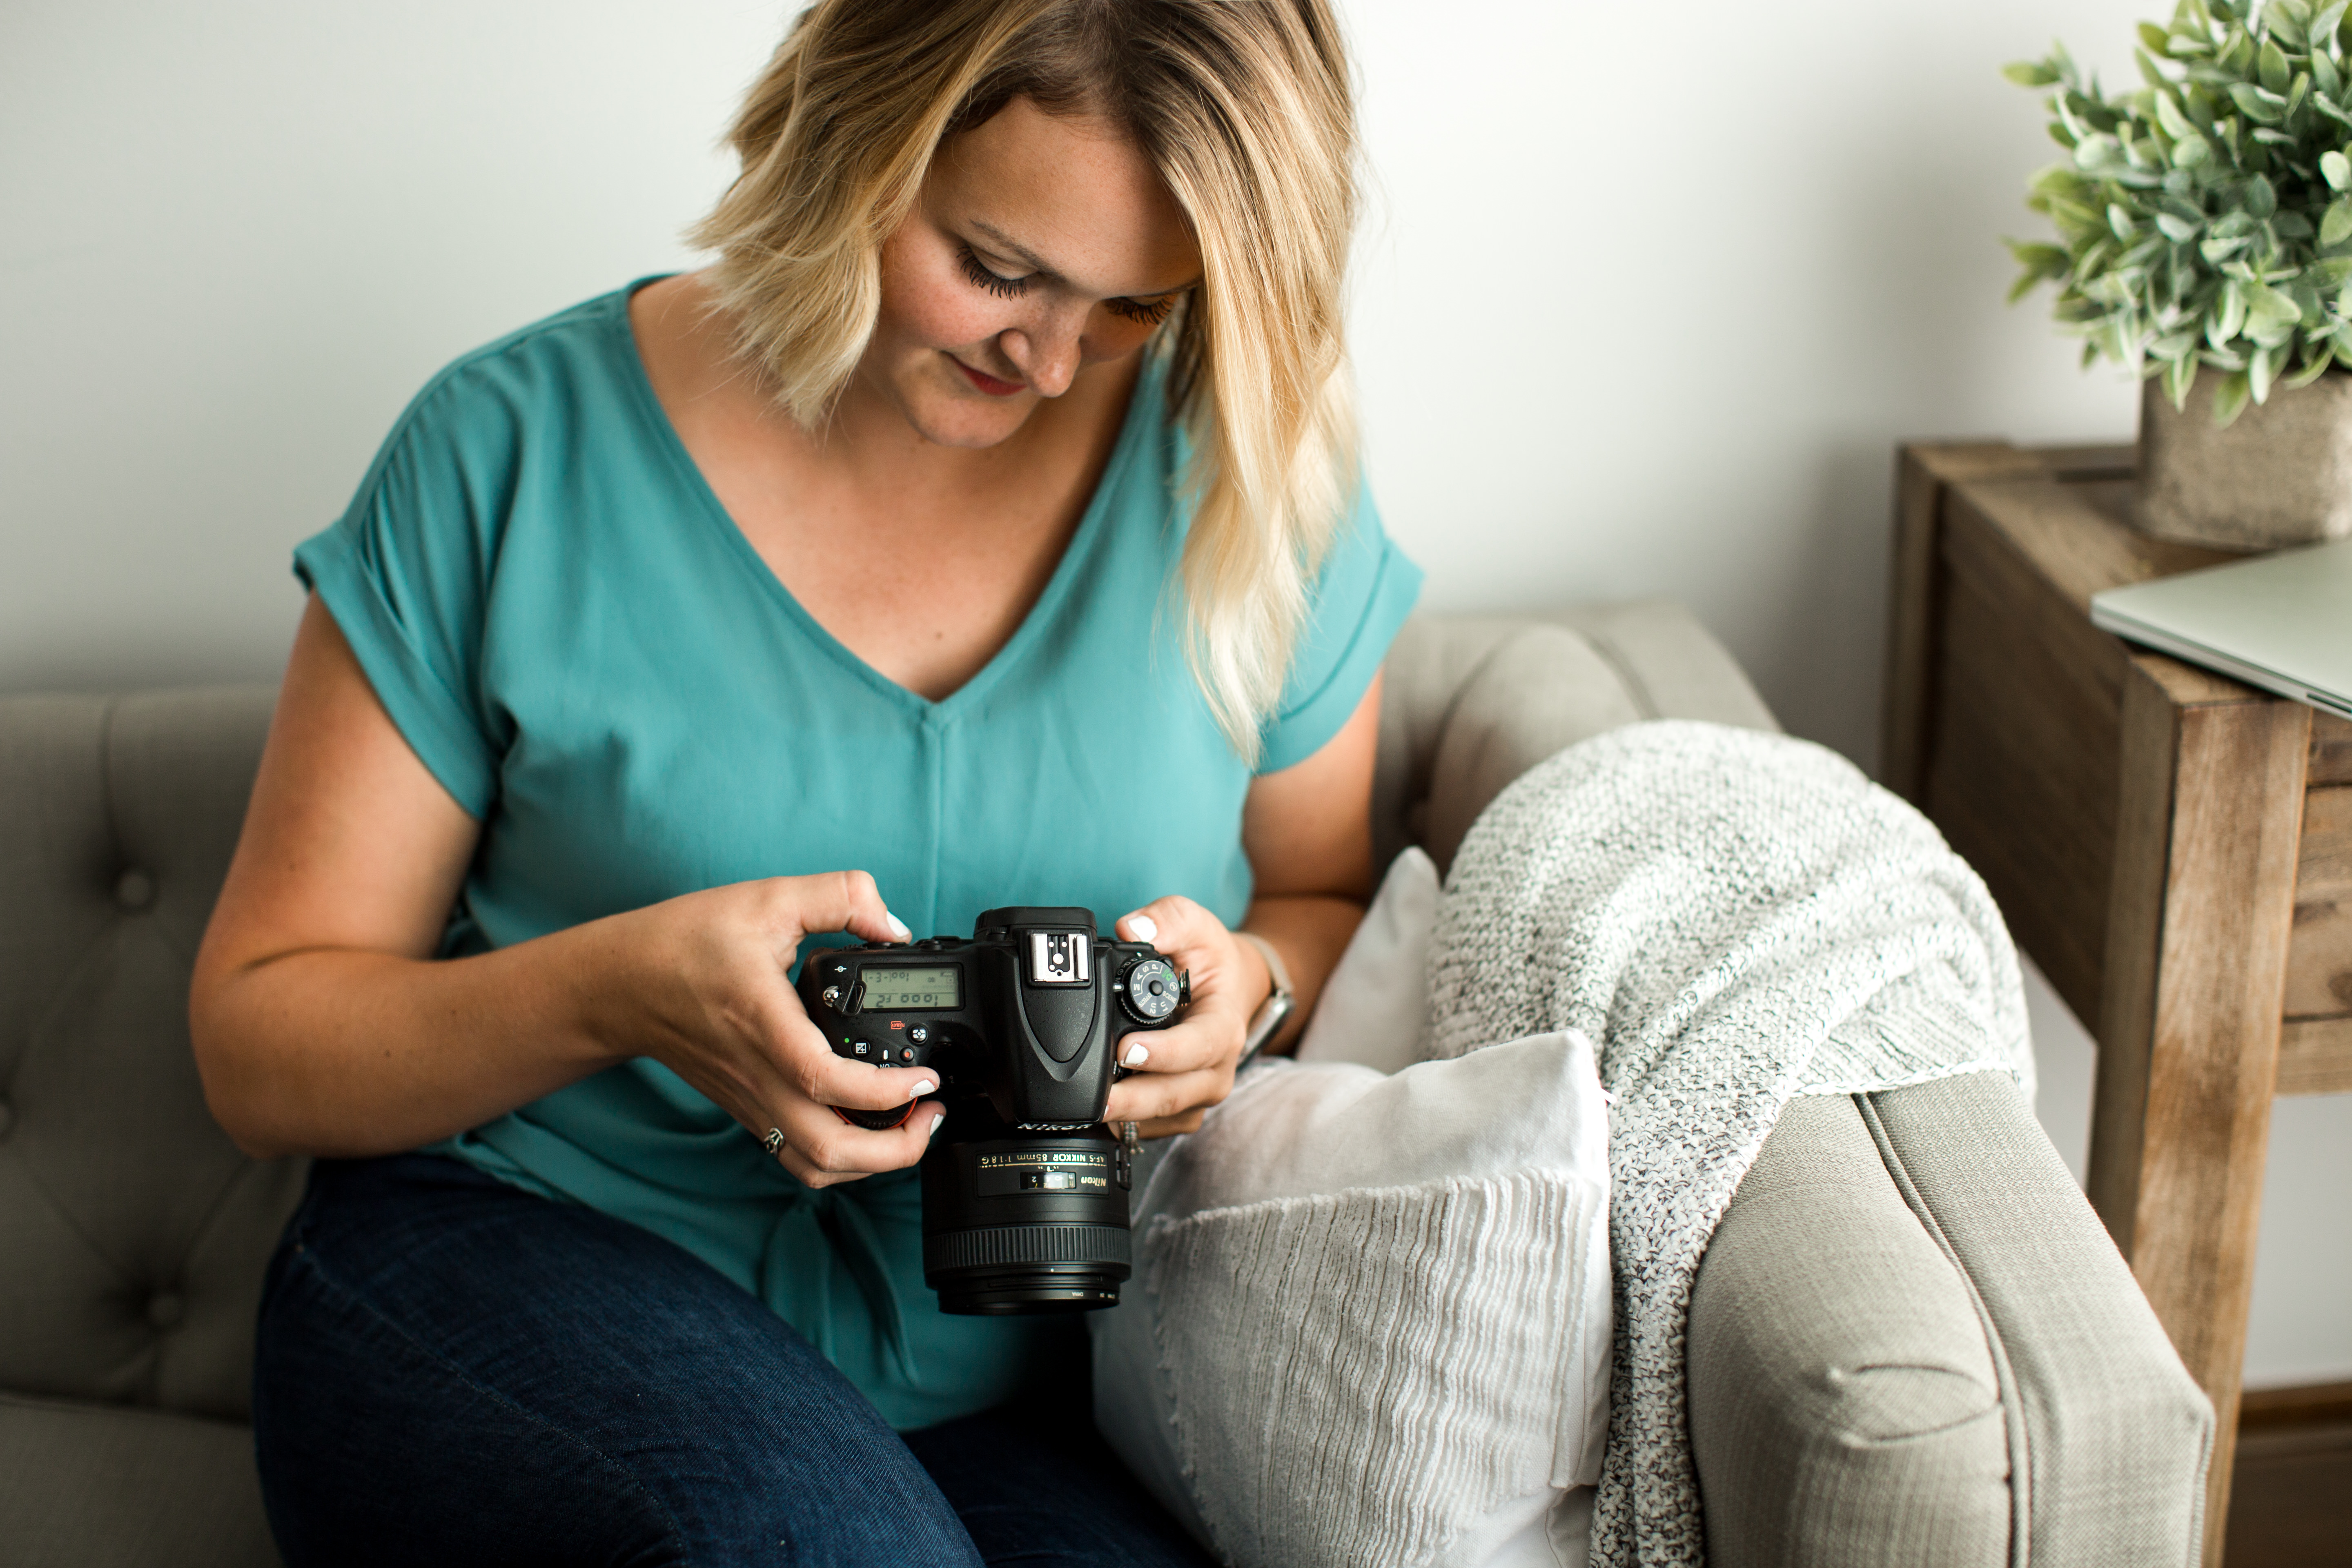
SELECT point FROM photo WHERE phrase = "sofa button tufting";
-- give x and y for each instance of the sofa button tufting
(134, 890)
(164, 1310)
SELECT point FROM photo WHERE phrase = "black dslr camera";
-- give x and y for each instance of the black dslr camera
(1024, 1191)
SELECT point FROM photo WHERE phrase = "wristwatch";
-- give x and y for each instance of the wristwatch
(1267, 1020)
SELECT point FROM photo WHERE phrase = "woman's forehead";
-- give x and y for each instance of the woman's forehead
(1072, 195)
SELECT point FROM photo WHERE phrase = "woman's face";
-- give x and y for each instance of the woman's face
(1040, 244)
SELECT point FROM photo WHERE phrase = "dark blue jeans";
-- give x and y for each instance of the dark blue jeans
(451, 1371)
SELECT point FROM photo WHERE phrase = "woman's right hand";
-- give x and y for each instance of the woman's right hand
(324, 1024)
(699, 983)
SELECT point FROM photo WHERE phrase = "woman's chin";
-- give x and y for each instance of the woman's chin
(970, 420)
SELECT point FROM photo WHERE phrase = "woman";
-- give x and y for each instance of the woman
(848, 575)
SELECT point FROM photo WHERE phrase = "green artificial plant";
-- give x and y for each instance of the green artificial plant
(2204, 219)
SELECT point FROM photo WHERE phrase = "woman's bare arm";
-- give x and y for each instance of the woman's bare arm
(1308, 834)
(323, 1024)
(1307, 831)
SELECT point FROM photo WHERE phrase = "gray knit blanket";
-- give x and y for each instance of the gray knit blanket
(1737, 919)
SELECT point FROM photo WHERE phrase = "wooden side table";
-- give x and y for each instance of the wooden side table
(2173, 849)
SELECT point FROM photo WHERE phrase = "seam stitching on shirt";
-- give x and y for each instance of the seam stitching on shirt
(1356, 635)
(379, 607)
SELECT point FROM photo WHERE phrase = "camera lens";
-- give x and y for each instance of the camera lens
(1018, 1221)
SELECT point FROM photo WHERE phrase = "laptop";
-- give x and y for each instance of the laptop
(2282, 622)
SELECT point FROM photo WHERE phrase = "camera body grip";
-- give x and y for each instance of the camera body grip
(1028, 1012)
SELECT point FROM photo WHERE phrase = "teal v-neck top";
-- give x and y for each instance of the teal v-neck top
(577, 641)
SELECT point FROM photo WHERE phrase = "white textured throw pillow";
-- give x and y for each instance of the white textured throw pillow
(1369, 1322)
(1371, 1008)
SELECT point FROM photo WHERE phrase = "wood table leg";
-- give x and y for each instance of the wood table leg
(2196, 970)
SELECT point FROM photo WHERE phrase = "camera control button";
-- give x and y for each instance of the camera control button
(858, 1047)
(829, 995)
(919, 1032)
(1152, 990)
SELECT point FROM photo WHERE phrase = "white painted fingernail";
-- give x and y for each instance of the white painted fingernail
(1136, 1055)
(924, 1088)
(898, 927)
(937, 1117)
(1142, 928)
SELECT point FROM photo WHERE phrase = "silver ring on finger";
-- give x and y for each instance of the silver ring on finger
(774, 1143)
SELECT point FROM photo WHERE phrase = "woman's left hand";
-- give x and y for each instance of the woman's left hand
(1177, 1073)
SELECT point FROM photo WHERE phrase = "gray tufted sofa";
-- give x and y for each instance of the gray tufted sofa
(1910, 1341)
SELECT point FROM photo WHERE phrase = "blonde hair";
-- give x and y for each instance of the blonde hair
(1242, 106)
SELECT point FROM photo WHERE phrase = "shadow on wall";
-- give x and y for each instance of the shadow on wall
(1828, 653)
(1909, 226)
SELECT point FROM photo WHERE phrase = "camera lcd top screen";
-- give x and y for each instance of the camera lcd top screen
(890, 989)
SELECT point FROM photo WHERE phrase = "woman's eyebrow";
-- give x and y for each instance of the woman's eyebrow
(1013, 248)
(1006, 245)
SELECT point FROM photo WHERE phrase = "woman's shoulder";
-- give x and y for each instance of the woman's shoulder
(568, 367)
(470, 450)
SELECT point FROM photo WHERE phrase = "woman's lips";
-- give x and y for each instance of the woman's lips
(988, 383)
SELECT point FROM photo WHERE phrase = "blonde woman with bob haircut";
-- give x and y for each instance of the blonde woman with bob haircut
(982, 527)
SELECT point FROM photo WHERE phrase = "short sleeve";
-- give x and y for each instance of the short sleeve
(406, 573)
(1361, 597)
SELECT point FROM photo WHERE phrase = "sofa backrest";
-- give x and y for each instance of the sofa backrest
(1472, 701)
(132, 1232)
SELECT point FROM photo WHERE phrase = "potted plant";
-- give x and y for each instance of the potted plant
(2205, 239)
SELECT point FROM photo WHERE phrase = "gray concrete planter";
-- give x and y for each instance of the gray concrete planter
(2281, 475)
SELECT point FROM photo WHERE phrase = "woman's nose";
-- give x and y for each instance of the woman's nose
(1047, 354)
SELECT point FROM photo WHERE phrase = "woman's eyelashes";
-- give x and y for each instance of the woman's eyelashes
(1147, 312)
(996, 283)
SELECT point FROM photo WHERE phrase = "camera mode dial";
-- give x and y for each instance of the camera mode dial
(1151, 989)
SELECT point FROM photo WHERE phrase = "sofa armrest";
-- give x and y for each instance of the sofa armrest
(2115, 1432)
(1911, 1341)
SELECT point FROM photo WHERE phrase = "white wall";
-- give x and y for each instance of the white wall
(1647, 297)
(2300, 1330)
